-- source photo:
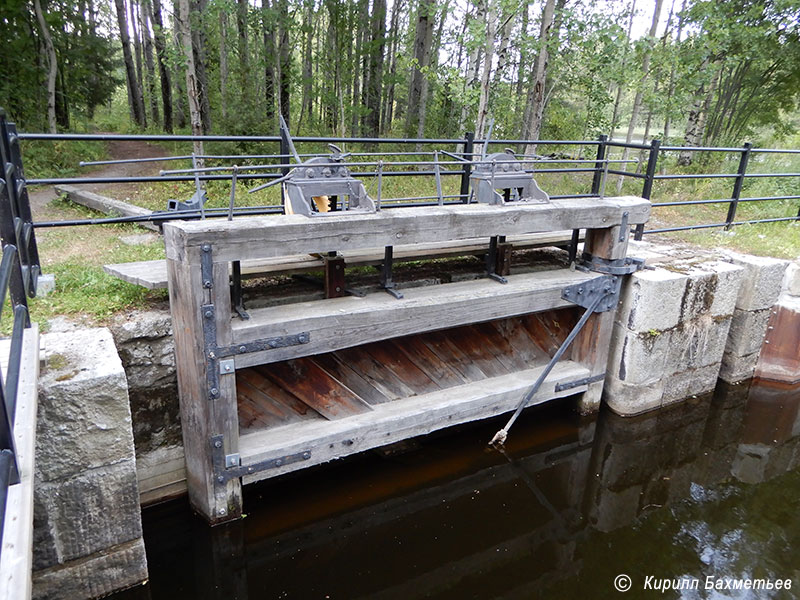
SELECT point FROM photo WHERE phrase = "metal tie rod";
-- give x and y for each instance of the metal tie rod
(500, 437)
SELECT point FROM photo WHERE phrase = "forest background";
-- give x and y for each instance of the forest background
(697, 72)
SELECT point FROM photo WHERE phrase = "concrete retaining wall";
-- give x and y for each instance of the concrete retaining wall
(87, 520)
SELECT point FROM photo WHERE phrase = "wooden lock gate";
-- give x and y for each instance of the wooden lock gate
(301, 384)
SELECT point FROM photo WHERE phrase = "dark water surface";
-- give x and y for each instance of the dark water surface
(708, 489)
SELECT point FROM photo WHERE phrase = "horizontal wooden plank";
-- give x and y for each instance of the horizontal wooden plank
(280, 235)
(105, 205)
(152, 274)
(351, 321)
(16, 559)
(402, 419)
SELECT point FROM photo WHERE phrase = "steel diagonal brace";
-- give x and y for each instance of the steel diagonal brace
(596, 295)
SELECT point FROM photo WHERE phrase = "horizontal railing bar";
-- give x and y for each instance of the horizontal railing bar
(685, 228)
(725, 200)
(700, 149)
(625, 173)
(627, 145)
(698, 176)
(746, 175)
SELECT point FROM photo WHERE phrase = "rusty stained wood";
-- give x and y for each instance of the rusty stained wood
(281, 235)
(315, 387)
(402, 419)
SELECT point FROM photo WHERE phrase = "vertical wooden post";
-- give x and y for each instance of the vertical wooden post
(591, 348)
(203, 413)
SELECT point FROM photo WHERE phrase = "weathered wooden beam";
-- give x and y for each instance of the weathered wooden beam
(281, 235)
(351, 321)
(152, 274)
(203, 416)
(401, 419)
(591, 348)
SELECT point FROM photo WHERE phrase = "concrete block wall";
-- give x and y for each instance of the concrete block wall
(758, 293)
(87, 520)
(670, 333)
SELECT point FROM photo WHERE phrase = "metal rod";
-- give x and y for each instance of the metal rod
(500, 436)
(438, 178)
(737, 185)
(234, 175)
(647, 188)
(380, 185)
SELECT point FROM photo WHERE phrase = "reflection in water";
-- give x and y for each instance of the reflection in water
(710, 488)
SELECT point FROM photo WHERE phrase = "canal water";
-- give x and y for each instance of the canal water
(706, 493)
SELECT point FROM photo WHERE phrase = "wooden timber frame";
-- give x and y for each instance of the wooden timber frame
(212, 343)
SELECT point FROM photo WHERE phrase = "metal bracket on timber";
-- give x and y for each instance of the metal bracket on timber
(227, 466)
(213, 352)
(619, 266)
(587, 294)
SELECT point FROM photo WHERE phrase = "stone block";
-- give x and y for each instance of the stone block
(699, 294)
(692, 382)
(638, 358)
(146, 347)
(763, 278)
(45, 285)
(729, 281)
(737, 368)
(84, 417)
(697, 343)
(89, 512)
(791, 279)
(97, 576)
(652, 300)
(748, 329)
(627, 399)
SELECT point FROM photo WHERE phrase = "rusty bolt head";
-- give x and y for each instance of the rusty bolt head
(206, 247)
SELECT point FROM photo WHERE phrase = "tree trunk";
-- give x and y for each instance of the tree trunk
(241, 47)
(523, 52)
(268, 31)
(137, 47)
(506, 23)
(472, 70)
(144, 26)
(536, 95)
(197, 29)
(223, 64)
(418, 85)
(490, 26)
(134, 94)
(285, 74)
(388, 110)
(361, 18)
(52, 67)
(308, 30)
(161, 54)
(191, 74)
(671, 88)
(179, 79)
(620, 87)
(375, 81)
(637, 100)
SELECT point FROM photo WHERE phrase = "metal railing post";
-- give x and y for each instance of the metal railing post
(599, 165)
(469, 146)
(737, 185)
(647, 188)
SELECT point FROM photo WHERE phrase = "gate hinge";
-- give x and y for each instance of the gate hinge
(227, 466)
(617, 266)
(586, 294)
(560, 387)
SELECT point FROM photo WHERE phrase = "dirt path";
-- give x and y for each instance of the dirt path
(41, 197)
